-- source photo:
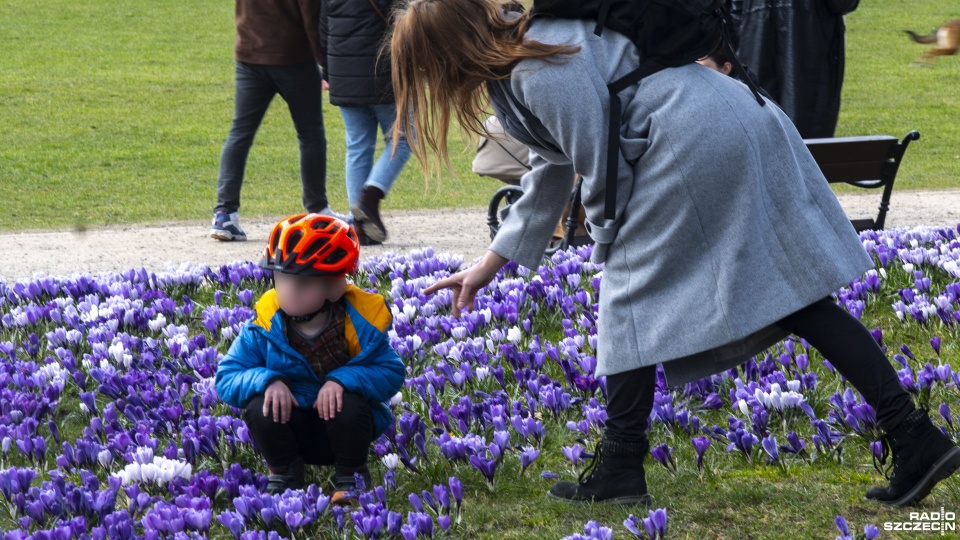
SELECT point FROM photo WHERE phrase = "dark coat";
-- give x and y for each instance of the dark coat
(351, 33)
(277, 33)
(796, 48)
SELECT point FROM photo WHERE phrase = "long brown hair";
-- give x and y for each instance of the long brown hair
(443, 51)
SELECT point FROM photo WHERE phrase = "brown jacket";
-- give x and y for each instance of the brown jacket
(278, 32)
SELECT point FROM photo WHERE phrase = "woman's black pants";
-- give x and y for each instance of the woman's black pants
(836, 334)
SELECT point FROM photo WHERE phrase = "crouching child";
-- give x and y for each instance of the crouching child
(313, 368)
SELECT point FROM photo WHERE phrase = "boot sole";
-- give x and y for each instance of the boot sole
(627, 500)
(941, 470)
(373, 231)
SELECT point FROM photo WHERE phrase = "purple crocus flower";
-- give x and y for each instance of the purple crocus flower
(935, 343)
(700, 445)
(429, 499)
(945, 413)
(527, 456)
(770, 446)
(573, 453)
(232, 521)
(409, 532)
(656, 524)
(487, 467)
(415, 502)
(841, 524)
(795, 444)
(743, 441)
(424, 524)
(663, 454)
(632, 524)
(456, 490)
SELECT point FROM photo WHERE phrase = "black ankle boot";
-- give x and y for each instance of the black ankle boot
(367, 212)
(284, 478)
(922, 456)
(364, 239)
(615, 475)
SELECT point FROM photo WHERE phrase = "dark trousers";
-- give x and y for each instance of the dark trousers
(343, 441)
(300, 86)
(838, 336)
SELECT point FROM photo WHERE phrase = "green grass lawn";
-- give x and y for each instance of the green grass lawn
(887, 92)
(115, 111)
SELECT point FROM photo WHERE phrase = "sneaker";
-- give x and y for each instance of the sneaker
(289, 477)
(226, 227)
(329, 212)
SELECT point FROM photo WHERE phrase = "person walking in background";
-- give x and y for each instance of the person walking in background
(277, 51)
(351, 32)
(796, 48)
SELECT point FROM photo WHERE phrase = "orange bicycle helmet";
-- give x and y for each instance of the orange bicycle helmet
(312, 245)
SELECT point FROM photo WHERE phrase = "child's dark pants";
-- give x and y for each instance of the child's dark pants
(836, 334)
(343, 441)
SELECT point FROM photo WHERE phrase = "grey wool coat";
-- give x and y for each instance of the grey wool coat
(724, 224)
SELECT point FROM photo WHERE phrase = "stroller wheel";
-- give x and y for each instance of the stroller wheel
(500, 206)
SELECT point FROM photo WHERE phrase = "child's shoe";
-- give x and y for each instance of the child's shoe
(226, 227)
(349, 484)
(284, 478)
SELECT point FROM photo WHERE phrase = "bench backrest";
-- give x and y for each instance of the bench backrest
(865, 162)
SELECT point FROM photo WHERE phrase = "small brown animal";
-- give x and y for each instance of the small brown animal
(946, 38)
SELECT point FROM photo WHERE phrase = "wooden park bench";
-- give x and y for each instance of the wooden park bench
(865, 162)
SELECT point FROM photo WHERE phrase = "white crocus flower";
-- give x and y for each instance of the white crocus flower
(396, 400)
(105, 457)
(390, 461)
(482, 372)
(157, 324)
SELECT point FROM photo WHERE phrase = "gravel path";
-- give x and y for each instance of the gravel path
(460, 231)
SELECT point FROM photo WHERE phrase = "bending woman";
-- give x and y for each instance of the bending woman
(726, 239)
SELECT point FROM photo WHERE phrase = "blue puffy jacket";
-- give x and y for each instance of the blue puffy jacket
(261, 354)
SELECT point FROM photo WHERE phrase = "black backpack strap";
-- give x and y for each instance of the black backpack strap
(514, 114)
(727, 43)
(613, 131)
(602, 16)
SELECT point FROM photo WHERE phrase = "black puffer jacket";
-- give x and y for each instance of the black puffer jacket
(351, 32)
(796, 48)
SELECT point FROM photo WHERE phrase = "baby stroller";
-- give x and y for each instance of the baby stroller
(502, 157)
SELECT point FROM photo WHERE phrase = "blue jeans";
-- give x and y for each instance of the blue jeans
(361, 123)
(300, 86)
